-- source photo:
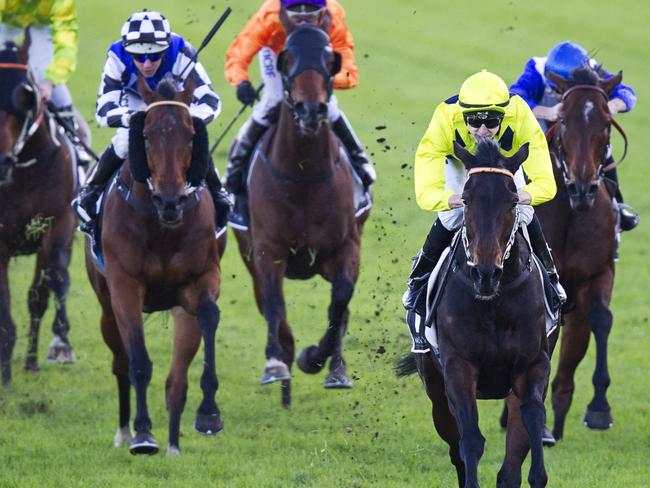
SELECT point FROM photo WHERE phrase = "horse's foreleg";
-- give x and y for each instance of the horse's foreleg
(517, 446)
(598, 415)
(7, 326)
(460, 384)
(58, 280)
(37, 298)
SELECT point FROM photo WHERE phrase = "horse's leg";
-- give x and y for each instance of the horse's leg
(288, 354)
(187, 339)
(127, 298)
(517, 446)
(460, 385)
(443, 420)
(37, 299)
(7, 326)
(598, 414)
(573, 346)
(343, 272)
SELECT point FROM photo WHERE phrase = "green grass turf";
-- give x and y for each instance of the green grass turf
(56, 427)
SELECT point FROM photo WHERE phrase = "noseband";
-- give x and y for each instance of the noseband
(513, 231)
(553, 135)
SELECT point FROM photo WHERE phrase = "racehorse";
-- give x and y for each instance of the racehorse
(490, 324)
(302, 213)
(579, 224)
(37, 182)
(160, 253)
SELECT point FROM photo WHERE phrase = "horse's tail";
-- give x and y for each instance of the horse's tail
(406, 365)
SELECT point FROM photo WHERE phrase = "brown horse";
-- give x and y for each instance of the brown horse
(490, 325)
(160, 253)
(580, 226)
(302, 212)
(37, 183)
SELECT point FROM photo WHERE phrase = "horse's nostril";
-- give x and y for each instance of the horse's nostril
(572, 188)
(593, 188)
(157, 200)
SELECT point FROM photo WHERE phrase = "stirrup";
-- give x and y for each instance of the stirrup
(629, 218)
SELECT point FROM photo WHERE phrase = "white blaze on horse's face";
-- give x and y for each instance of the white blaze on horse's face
(589, 106)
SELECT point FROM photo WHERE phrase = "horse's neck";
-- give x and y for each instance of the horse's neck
(299, 153)
(37, 146)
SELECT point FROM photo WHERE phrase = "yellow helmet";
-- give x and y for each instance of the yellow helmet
(483, 91)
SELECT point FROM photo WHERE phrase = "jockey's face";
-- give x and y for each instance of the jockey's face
(483, 123)
(305, 13)
(148, 64)
(482, 132)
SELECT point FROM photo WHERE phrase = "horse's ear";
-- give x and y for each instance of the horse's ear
(336, 65)
(148, 95)
(200, 154)
(23, 52)
(513, 163)
(561, 83)
(609, 84)
(465, 157)
(187, 95)
(137, 151)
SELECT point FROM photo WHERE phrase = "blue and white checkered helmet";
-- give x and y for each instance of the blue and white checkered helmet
(146, 32)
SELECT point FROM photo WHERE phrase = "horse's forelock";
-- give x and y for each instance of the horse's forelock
(166, 89)
(488, 152)
(584, 76)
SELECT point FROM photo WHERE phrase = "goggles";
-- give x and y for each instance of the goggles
(490, 119)
(153, 57)
(305, 16)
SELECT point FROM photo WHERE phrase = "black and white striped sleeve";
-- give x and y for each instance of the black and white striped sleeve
(109, 112)
(206, 104)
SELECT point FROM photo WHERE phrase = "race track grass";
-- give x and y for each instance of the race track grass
(56, 427)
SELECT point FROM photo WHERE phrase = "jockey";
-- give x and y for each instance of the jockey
(535, 87)
(482, 108)
(53, 50)
(265, 34)
(147, 48)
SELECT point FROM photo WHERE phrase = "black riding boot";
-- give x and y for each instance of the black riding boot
(239, 154)
(219, 197)
(629, 218)
(67, 114)
(556, 295)
(360, 160)
(109, 163)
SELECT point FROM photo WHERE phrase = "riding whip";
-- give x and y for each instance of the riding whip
(70, 130)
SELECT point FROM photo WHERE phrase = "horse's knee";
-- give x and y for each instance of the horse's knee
(140, 369)
(7, 336)
(533, 413)
(208, 315)
(342, 290)
(600, 320)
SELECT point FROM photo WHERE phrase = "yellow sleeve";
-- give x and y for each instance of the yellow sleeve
(63, 22)
(430, 159)
(537, 167)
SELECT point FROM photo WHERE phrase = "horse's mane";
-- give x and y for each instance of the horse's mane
(166, 89)
(585, 76)
(487, 152)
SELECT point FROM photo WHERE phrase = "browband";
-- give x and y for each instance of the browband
(490, 170)
(167, 102)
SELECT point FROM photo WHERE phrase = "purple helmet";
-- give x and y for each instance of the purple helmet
(315, 3)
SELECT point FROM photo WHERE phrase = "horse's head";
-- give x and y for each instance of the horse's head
(18, 100)
(308, 65)
(582, 133)
(168, 148)
(491, 213)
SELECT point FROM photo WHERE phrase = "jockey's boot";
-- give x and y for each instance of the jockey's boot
(219, 197)
(438, 239)
(360, 160)
(628, 217)
(556, 295)
(68, 116)
(109, 163)
(239, 154)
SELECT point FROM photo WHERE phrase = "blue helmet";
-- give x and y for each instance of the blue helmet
(563, 59)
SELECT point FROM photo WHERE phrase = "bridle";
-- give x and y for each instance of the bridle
(552, 134)
(515, 225)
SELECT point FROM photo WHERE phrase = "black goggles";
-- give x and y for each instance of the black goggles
(153, 57)
(490, 119)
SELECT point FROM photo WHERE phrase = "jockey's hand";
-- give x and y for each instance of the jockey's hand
(246, 92)
(524, 197)
(616, 105)
(548, 113)
(45, 88)
(455, 201)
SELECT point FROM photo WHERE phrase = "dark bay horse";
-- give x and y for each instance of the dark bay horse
(490, 327)
(579, 224)
(302, 212)
(160, 253)
(37, 182)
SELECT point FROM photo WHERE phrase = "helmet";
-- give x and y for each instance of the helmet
(483, 91)
(563, 59)
(316, 3)
(146, 32)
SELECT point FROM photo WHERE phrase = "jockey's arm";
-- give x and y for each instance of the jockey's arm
(64, 28)
(109, 112)
(430, 156)
(343, 43)
(205, 104)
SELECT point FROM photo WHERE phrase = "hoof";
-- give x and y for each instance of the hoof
(123, 436)
(547, 438)
(208, 424)
(173, 451)
(275, 370)
(598, 420)
(307, 366)
(60, 352)
(337, 380)
(143, 443)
